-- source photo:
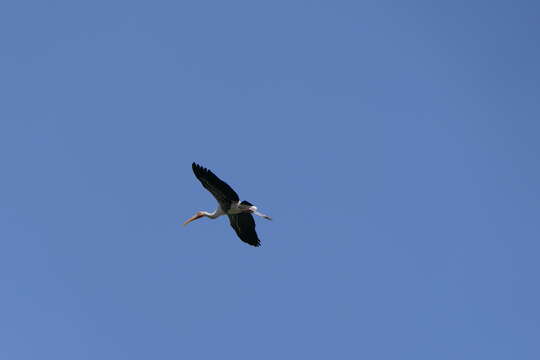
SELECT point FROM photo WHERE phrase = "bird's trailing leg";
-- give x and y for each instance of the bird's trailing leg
(253, 210)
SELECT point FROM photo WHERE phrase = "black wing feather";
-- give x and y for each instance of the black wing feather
(223, 193)
(244, 225)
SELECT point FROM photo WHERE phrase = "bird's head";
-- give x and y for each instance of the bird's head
(198, 215)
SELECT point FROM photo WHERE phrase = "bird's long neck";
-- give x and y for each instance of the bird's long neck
(212, 215)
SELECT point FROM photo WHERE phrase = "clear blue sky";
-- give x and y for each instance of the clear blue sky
(396, 145)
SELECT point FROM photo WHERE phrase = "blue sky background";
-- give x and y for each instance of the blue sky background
(396, 145)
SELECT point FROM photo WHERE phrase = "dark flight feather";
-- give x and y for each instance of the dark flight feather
(244, 225)
(223, 193)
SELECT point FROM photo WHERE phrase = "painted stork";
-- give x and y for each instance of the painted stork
(239, 212)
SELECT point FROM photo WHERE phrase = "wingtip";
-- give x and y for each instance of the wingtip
(197, 168)
(255, 243)
(194, 165)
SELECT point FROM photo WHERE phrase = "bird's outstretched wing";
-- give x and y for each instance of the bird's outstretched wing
(244, 225)
(223, 193)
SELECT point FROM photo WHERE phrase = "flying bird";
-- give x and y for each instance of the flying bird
(239, 212)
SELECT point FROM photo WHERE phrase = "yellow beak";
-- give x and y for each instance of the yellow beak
(194, 217)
